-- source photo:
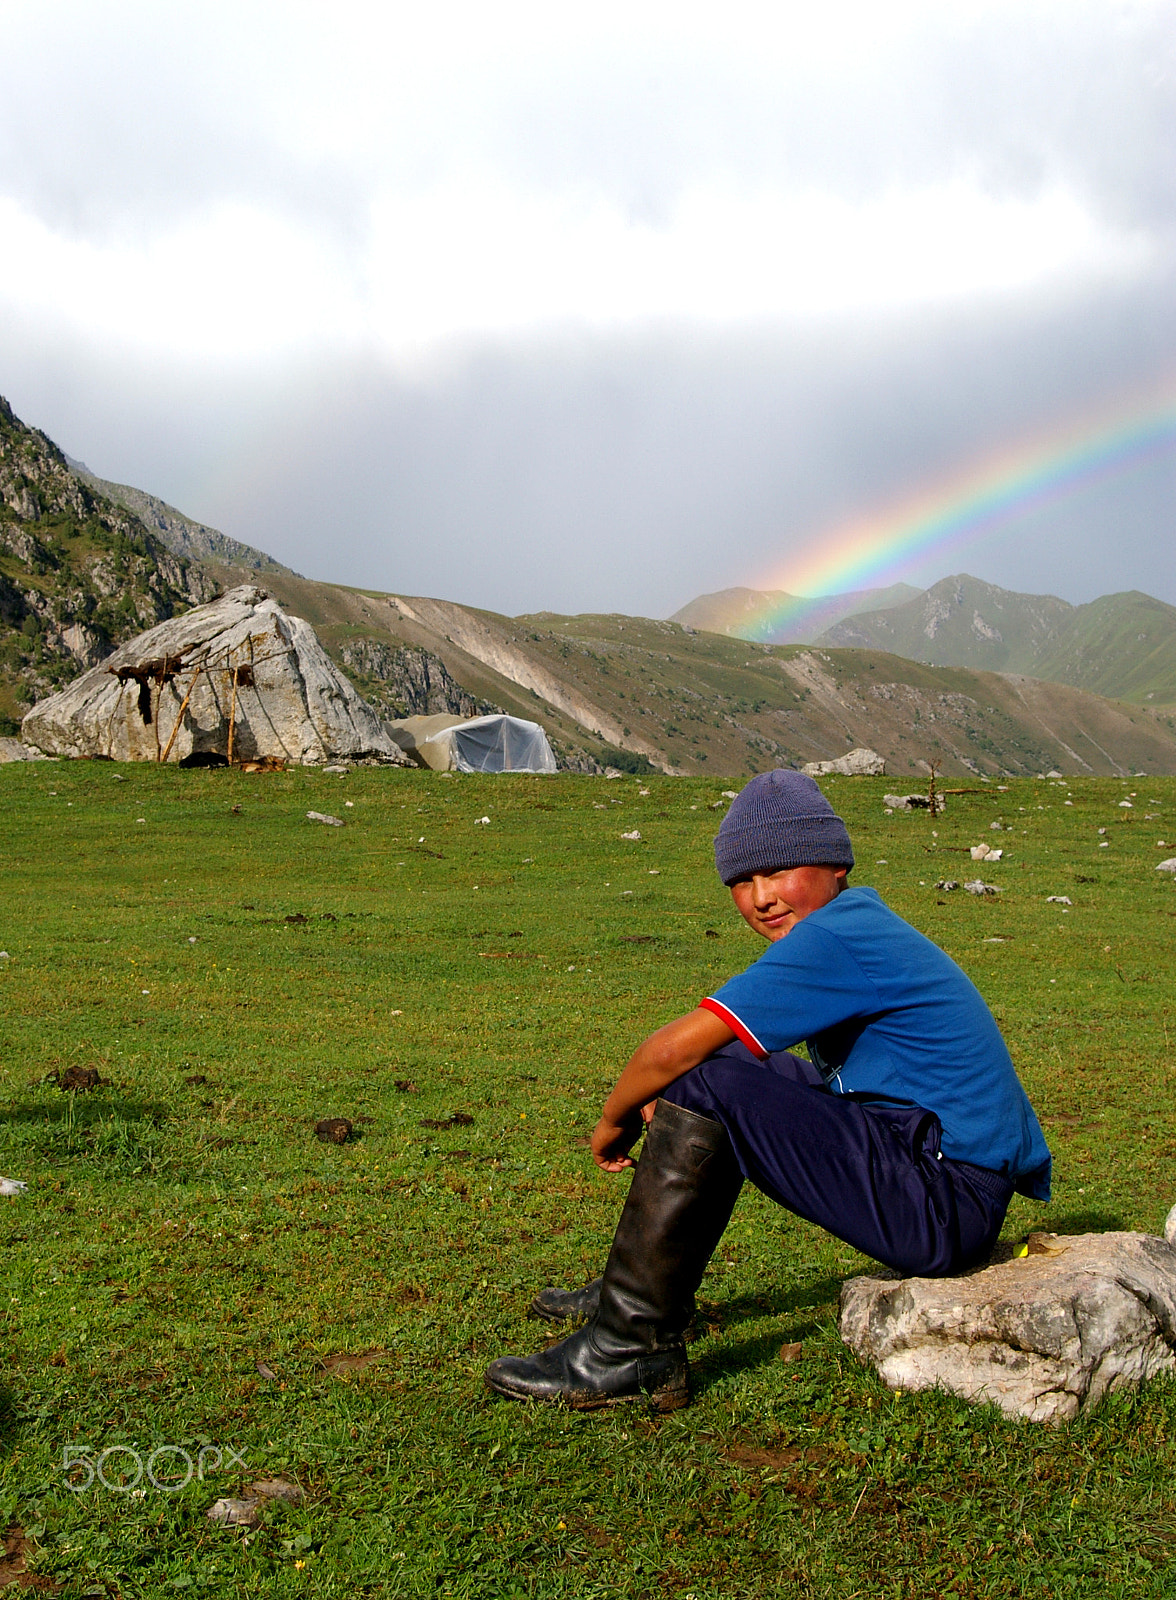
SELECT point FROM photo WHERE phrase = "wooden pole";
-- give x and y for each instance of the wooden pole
(180, 715)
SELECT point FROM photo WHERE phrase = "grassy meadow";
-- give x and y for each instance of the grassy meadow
(191, 1270)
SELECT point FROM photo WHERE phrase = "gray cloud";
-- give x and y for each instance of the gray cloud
(630, 474)
(632, 468)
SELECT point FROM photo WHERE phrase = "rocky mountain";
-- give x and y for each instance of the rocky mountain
(753, 613)
(78, 573)
(1122, 645)
(402, 682)
(182, 536)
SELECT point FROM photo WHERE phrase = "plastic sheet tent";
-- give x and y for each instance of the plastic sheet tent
(479, 744)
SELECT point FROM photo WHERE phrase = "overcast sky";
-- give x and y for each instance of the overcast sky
(593, 307)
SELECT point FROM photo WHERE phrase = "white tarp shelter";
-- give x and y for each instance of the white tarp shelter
(479, 744)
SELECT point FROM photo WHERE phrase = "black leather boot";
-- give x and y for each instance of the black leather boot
(680, 1201)
(567, 1305)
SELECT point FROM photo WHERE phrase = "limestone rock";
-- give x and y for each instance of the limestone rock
(291, 702)
(859, 763)
(400, 681)
(1042, 1337)
(914, 802)
(1170, 1227)
(1167, 866)
(14, 750)
(84, 644)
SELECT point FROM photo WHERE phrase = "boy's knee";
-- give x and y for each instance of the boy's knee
(691, 1092)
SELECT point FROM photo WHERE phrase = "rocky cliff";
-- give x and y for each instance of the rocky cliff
(402, 682)
(78, 574)
(182, 535)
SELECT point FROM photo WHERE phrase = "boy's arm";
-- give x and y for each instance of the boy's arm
(664, 1056)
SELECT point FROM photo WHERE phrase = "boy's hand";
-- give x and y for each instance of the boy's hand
(664, 1056)
(611, 1141)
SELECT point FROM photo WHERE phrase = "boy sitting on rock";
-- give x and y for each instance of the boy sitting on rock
(905, 1133)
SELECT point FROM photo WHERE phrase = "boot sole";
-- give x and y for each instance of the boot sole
(659, 1400)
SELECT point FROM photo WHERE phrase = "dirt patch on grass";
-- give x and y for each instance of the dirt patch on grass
(14, 1568)
(344, 1364)
(798, 1472)
(767, 1458)
(80, 1079)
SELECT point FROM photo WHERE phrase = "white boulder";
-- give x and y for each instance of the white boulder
(1043, 1336)
(14, 750)
(859, 763)
(914, 802)
(289, 702)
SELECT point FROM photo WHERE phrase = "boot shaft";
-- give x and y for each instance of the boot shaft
(683, 1191)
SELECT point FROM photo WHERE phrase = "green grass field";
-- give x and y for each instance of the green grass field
(236, 972)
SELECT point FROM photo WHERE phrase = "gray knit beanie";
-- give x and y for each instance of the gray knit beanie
(780, 820)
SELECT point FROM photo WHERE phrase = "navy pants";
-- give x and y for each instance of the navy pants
(868, 1171)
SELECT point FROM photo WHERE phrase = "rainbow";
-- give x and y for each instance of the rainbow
(969, 502)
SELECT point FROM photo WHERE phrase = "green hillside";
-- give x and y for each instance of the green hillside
(960, 622)
(703, 703)
(1122, 645)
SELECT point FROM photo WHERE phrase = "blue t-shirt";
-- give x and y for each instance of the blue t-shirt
(884, 1011)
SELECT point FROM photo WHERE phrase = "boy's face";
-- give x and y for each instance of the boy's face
(772, 903)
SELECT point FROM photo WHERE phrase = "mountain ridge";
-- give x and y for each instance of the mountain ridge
(1122, 646)
(730, 611)
(617, 690)
(182, 534)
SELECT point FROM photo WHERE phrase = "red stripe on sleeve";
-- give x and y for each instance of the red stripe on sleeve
(742, 1033)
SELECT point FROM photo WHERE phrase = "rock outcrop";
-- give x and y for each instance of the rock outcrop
(239, 665)
(1042, 1336)
(14, 750)
(402, 682)
(859, 763)
(183, 536)
(82, 572)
